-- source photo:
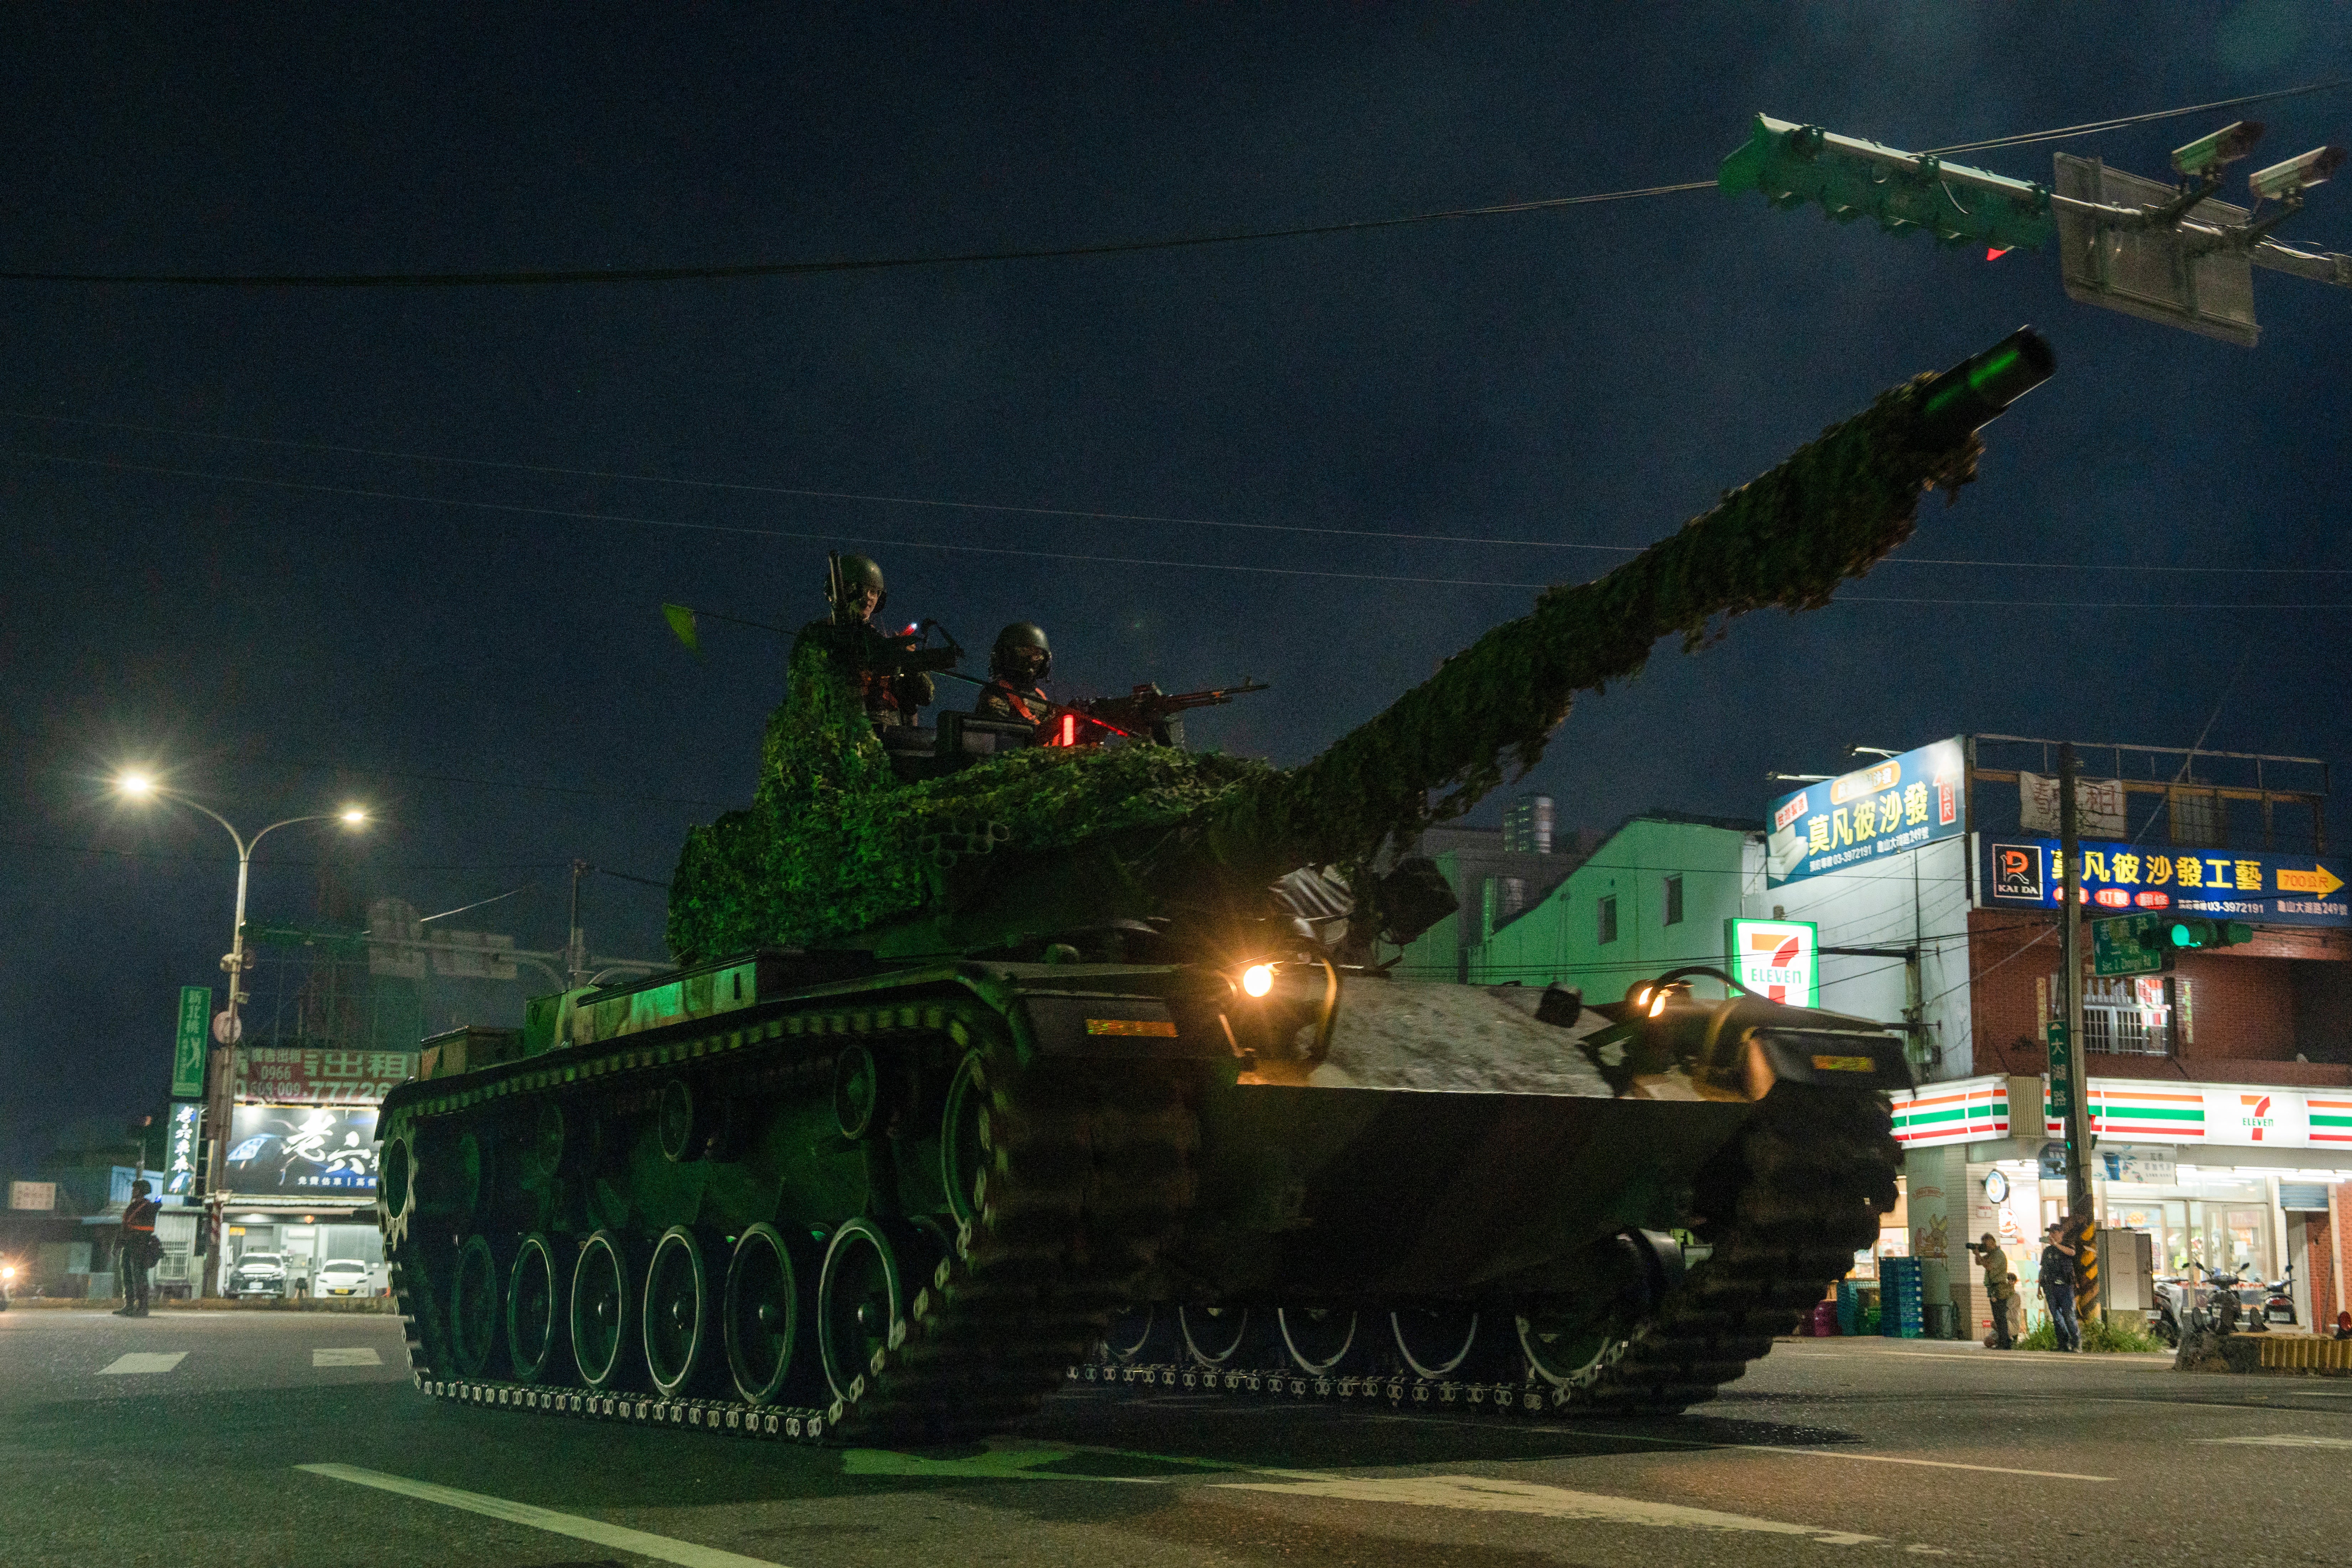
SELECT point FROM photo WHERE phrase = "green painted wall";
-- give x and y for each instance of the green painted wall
(1557, 941)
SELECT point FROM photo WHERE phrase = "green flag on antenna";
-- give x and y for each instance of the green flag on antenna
(681, 621)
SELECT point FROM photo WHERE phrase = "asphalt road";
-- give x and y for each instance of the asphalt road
(189, 1453)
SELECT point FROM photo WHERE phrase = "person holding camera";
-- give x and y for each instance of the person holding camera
(2001, 1290)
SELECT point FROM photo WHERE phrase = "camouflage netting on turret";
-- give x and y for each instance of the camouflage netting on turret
(832, 845)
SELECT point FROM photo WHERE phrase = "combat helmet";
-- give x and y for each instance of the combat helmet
(1020, 634)
(847, 574)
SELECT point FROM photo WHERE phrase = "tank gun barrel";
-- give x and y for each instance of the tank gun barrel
(1831, 511)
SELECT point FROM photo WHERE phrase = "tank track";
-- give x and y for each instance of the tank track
(1813, 1173)
(1089, 1171)
(1814, 1170)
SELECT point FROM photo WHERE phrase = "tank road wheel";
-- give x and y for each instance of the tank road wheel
(395, 1191)
(1319, 1340)
(1219, 1337)
(677, 1312)
(872, 1271)
(964, 1142)
(767, 1318)
(1141, 1336)
(534, 1310)
(1569, 1344)
(1442, 1343)
(473, 1309)
(603, 1314)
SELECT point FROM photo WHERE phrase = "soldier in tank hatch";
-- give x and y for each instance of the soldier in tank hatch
(1021, 658)
(872, 661)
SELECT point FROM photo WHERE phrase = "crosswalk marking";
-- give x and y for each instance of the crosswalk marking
(142, 1361)
(660, 1548)
(353, 1355)
(1489, 1494)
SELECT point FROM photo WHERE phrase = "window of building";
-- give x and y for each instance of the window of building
(2198, 819)
(1674, 900)
(1609, 919)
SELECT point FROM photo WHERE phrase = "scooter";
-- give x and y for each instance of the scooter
(2278, 1300)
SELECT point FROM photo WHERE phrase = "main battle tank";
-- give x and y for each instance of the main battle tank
(986, 1070)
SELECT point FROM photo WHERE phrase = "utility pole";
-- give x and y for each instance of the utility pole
(2076, 1097)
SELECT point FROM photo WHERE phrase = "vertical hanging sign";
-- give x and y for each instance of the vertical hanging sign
(188, 1048)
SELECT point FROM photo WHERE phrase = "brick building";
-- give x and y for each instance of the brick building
(2220, 1093)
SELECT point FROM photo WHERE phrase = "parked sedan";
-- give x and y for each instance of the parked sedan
(341, 1276)
(257, 1274)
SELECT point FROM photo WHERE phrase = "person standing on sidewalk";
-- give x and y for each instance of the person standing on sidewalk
(2058, 1289)
(2001, 1290)
(137, 1251)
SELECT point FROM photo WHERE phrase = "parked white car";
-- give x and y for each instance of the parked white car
(342, 1276)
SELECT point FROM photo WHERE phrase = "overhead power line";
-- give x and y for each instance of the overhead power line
(836, 536)
(811, 268)
(1079, 514)
(2099, 126)
(530, 277)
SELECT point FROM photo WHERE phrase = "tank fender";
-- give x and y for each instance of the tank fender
(1119, 1026)
(1834, 1058)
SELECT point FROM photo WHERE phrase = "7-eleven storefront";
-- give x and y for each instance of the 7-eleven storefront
(2241, 1176)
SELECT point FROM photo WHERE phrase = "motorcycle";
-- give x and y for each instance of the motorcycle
(2278, 1300)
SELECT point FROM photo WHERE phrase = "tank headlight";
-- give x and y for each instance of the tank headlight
(1257, 979)
(1658, 1003)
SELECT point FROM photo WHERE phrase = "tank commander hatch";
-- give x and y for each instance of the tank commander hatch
(871, 658)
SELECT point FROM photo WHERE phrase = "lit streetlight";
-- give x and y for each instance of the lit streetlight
(228, 1028)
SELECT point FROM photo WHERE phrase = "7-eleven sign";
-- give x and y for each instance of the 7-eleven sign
(2254, 1115)
(1777, 960)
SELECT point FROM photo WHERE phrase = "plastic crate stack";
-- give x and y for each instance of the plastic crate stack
(1902, 1312)
(1848, 1308)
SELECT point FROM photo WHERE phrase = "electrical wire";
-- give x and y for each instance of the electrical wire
(810, 269)
(2098, 127)
(1079, 514)
(1245, 568)
(607, 274)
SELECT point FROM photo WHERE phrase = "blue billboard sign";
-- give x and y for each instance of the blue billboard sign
(1896, 805)
(2125, 878)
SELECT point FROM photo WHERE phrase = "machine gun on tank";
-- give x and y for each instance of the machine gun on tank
(1150, 714)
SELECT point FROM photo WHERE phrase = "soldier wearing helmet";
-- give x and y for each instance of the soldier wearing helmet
(1021, 658)
(869, 657)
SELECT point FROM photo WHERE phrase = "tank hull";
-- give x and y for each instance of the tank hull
(910, 1206)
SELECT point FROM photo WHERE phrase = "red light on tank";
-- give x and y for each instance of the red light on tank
(2112, 897)
(1069, 729)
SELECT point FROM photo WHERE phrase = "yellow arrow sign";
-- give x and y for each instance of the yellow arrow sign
(2319, 881)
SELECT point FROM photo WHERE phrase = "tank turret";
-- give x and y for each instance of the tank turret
(1017, 849)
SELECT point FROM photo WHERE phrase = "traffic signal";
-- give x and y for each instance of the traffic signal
(2195, 931)
(1791, 165)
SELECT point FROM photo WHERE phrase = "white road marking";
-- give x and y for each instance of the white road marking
(1485, 1494)
(2284, 1440)
(1777, 1449)
(142, 1361)
(353, 1355)
(660, 1548)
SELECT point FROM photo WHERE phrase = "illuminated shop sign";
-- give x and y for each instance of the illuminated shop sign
(180, 1141)
(1777, 960)
(1900, 803)
(302, 1151)
(2126, 1114)
(2239, 884)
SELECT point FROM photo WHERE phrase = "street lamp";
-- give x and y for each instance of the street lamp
(228, 1028)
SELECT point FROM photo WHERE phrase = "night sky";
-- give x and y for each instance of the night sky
(498, 684)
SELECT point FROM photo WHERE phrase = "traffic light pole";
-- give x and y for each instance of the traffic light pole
(2080, 1221)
